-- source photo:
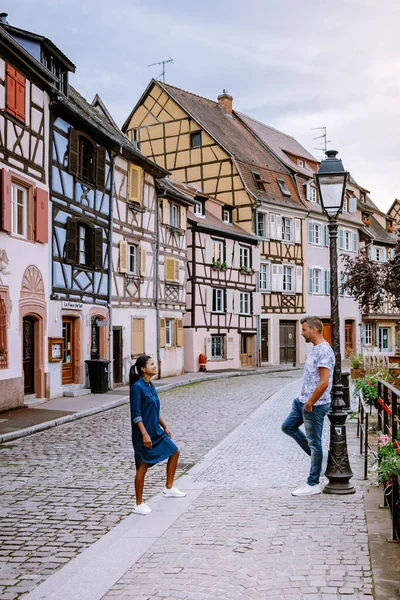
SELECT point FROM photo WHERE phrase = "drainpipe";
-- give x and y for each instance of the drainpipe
(110, 274)
(157, 270)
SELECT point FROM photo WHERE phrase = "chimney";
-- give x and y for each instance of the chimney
(225, 102)
(3, 18)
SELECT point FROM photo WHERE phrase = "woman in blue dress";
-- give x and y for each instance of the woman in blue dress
(151, 437)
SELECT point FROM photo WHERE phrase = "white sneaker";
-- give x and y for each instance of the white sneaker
(141, 509)
(173, 493)
(307, 490)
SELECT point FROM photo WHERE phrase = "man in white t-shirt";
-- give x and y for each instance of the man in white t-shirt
(314, 402)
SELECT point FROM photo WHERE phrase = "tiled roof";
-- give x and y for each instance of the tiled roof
(213, 222)
(379, 233)
(281, 144)
(229, 132)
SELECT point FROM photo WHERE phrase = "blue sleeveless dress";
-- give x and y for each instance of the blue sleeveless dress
(145, 406)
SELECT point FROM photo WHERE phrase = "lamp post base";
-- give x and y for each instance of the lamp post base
(338, 470)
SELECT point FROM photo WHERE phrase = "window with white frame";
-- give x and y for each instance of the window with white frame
(83, 245)
(345, 204)
(169, 328)
(227, 214)
(217, 251)
(19, 212)
(368, 334)
(316, 281)
(245, 303)
(300, 162)
(245, 260)
(262, 222)
(218, 300)
(316, 234)
(288, 279)
(313, 194)
(347, 240)
(287, 226)
(132, 259)
(199, 208)
(217, 346)
(283, 187)
(174, 215)
(380, 254)
(265, 277)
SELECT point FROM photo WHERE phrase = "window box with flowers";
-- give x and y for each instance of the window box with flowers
(389, 459)
(246, 270)
(217, 264)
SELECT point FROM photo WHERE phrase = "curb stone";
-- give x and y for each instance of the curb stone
(15, 435)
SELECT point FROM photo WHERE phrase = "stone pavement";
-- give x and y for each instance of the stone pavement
(238, 535)
(63, 489)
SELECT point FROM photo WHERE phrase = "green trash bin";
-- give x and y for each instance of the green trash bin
(98, 375)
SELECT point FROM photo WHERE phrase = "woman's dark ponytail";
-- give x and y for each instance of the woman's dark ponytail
(136, 370)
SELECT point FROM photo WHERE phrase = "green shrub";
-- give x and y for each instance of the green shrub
(356, 361)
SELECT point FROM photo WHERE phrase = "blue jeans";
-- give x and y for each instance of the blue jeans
(311, 441)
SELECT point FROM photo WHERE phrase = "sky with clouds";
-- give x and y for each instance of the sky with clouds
(292, 64)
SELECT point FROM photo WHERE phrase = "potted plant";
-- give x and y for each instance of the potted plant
(368, 385)
(389, 460)
(247, 270)
(217, 264)
(356, 366)
(394, 369)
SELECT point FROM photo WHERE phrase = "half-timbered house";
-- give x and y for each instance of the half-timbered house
(25, 85)
(207, 144)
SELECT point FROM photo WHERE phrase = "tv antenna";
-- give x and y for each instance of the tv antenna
(163, 63)
(325, 142)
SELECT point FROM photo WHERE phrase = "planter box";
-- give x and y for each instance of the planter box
(357, 373)
(395, 371)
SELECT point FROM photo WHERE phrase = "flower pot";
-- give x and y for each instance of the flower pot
(357, 373)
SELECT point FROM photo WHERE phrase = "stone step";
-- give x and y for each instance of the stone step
(32, 400)
(74, 393)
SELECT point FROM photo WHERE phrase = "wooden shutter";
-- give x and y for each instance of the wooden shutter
(71, 241)
(229, 301)
(209, 299)
(256, 303)
(255, 259)
(299, 280)
(15, 93)
(272, 226)
(341, 238)
(100, 167)
(183, 218)
(170, 269)
(327, 282)
(353, 205)
(177, 268)
(384, 254)
(274, 283)
(278, 227)
(297, 231)
(310, 232)
(73, 152)
(310, 281)
(165, 205)
(6, 200)
(135, 183)
(137, 336)
(179, 332)
(326, 235)
(98, 248)
(280, 278)
(355, 241)
(143, 261)
(42, 215)
(230, 348)
(123, 256)
(208, 251)
(372, 253)
(209, 348)
(162, 333)
(236, 255)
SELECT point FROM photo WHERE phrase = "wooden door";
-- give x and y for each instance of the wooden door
(348, 338)
(287, 342)
(28, 350)
(264, 341)
(68, 358)
(327, 333)
(117, 354)
(246, 351)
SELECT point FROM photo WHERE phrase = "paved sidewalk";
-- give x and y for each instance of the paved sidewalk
(239, 534)
(26, 421)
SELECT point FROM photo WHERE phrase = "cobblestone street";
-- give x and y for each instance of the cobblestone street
(246, 537)
(64, 488)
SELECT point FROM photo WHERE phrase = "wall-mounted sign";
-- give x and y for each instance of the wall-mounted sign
(72, 305)
(56, 349)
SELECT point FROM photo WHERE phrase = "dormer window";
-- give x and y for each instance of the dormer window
(227, 214)
(199, 208)
(366, 219)
(389, 226)
(300, 162)
(283, 187)
(195, 139)
(362, 197)
(54, 67)
(258, 181)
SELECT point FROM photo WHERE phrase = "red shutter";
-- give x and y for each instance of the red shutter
(42, 216)
(15, 93)
(6, 200)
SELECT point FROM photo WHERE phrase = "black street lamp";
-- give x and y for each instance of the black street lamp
(331, 180)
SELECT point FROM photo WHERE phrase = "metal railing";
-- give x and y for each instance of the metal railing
(362, 431)
(389, 424)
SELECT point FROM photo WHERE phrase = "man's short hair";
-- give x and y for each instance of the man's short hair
(313, 322)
